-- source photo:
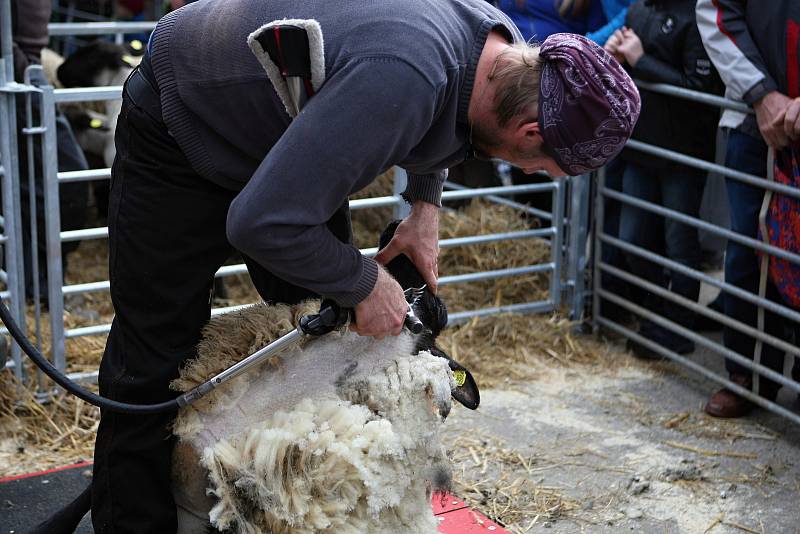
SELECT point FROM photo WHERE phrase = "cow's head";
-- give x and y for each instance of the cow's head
(431, 310)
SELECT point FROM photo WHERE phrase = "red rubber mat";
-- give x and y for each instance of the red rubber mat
(456, 518)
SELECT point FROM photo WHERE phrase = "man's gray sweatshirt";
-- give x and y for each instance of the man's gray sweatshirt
(398, 80)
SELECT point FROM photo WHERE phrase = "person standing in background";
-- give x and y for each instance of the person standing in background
(756, 51)
(662, 44)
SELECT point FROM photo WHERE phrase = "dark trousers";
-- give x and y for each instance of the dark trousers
(742, 267)
(678, 188)
(166, 240)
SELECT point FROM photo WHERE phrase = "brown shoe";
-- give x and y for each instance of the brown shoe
(725, 403)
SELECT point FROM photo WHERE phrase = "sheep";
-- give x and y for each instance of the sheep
(99, 64)
(340, 434)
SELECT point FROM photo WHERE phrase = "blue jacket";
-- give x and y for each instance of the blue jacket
(615, 11)
(538, 19)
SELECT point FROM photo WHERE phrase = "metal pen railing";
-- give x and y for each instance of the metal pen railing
(602, 239)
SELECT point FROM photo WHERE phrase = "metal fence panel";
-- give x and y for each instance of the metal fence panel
(602, 271)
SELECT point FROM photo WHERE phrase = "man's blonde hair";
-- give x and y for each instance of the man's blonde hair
(516, 74)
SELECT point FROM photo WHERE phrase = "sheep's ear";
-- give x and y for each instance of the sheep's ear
(388, 233)
(466, 391)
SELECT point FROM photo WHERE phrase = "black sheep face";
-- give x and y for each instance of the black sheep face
(432, 311)
(81, 68)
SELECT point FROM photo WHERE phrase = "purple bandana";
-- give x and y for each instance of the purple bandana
(588, 105)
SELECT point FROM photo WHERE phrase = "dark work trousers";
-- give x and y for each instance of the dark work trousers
(742, 267)
(678, 188)
(166, 240)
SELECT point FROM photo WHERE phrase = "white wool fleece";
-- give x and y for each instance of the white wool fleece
(340, 435)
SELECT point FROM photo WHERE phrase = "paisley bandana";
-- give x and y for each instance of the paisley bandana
(588, 105)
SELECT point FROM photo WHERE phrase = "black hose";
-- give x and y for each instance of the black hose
(73, 388)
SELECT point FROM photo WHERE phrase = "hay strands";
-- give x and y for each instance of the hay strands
(707, 452)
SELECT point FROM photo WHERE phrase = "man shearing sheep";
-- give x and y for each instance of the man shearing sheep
(210, 160)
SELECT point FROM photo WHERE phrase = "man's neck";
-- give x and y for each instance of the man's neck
(482, 95)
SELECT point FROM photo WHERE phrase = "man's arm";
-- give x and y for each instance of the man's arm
(367, 117)
(731, 48)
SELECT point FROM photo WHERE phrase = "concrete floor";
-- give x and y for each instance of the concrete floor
(629, 449)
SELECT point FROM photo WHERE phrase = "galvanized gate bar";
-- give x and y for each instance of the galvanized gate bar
(738, 292)
(704, 165)
(694, 366)
(544, 215)
(12, 248)
(699, 339)
(701, 224)
(576, 251)
(702, 310)
(602, 269)
(557, 243)
(88, 94)
(98, 28)
(695, 96)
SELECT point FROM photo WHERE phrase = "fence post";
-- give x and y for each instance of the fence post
(55, 275)
(9, 157)
(401, 209)
(557, 243)
(597, 247)
(576, 252)
(13, 253)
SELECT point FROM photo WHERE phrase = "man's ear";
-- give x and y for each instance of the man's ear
(529, 130)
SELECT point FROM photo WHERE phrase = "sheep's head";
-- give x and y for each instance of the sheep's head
(81, 68)
(431, 310)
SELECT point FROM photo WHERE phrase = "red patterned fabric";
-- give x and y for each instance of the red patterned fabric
(783, 225)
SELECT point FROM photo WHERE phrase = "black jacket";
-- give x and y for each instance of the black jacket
(673, 54)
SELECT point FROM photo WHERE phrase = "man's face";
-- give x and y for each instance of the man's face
(517, 145)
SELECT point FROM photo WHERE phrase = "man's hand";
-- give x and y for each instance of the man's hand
(382, 313)
(771, 112)
(418, 238)
(791, 120)
(631, 47)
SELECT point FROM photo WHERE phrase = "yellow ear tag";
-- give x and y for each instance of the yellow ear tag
(136, 44)
(95, 123)
(130, 60)
(460, 376)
